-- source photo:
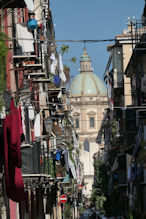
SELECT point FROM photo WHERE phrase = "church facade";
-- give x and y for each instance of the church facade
(88, 97)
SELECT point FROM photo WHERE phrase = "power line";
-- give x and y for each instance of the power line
(86, 41)
(73, 41)
(127, 107)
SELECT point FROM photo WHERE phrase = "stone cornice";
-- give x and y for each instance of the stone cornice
(91, 113)
(76, 114)
(90, 103)
(89, 176)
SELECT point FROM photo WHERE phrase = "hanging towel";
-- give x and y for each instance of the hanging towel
(13, 177)
(58, 155)
(61, 71)
(59, 95)
(57, 80)
(37, 126)
(23, 33)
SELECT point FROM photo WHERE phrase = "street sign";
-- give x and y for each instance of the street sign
(63, 198)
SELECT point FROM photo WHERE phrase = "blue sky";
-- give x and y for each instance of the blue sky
(91, 19)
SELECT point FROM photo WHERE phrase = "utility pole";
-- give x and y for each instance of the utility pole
(59, 212)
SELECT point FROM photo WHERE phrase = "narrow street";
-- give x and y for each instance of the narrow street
(72, 109)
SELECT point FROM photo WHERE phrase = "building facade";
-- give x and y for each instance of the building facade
(89, 100)
(124, 154)
(38, 141)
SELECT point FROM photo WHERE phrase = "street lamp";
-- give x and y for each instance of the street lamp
(48, 125)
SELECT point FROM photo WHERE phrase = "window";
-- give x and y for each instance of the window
(77, 123)
(92, 122)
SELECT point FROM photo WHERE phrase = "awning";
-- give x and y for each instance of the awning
(72, 167)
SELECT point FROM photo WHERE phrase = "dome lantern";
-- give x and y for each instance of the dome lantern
(85, 62)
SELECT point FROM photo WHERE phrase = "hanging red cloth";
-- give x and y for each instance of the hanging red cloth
(13, 176)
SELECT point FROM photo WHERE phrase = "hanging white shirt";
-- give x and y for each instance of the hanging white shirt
(53, 63)
(29, 5)
(61, 70)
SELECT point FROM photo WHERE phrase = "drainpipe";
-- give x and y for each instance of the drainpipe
(14, 80)
(7, 60)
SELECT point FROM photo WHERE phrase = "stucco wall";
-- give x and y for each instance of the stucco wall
(84, 108)
(127, 51)
(88, 168)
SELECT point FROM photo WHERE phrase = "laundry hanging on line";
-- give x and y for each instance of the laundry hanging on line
(12, 134)
(61, 70)
(53, 63)
(25, 38)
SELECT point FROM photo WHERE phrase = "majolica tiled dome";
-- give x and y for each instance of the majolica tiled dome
(87, 83)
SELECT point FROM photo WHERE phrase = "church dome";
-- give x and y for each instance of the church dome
(87, 83)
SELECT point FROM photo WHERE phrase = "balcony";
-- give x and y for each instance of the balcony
(32, 65)
(19, 58)
(36, 74)
(12, 4)
(35, 159)
(41, 80)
